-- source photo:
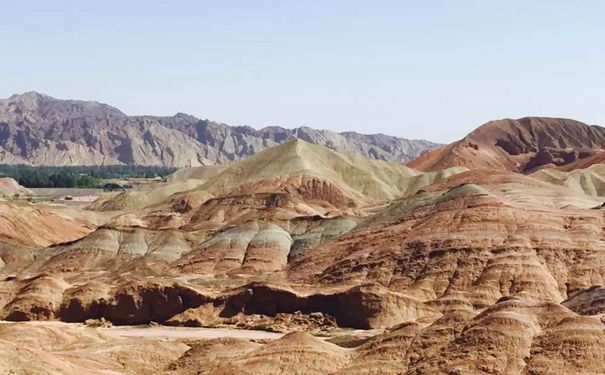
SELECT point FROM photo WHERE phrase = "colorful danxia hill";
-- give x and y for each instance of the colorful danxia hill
(301, 251)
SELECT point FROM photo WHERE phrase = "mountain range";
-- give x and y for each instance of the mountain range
(41, 130)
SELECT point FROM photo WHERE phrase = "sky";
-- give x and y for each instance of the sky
(415, 69)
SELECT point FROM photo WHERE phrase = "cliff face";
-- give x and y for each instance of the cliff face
(39, 129)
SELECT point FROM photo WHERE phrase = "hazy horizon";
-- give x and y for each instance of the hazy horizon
(433, 71)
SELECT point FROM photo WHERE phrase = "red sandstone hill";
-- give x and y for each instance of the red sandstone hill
(522, 145)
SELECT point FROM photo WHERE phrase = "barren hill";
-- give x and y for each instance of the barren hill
(39, 129)
(310, 172)
(482, 272)
(522, 145)
(357, 176)
(385, 269)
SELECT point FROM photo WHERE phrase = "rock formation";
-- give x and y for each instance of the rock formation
(522, 145)
(384, 268)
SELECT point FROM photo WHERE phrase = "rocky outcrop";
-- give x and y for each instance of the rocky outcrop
(138, 199)
(140, 303)
(512, 336)
(296, 353)
(84, 302)
(48, 298)
(310, 232)
(570, 347)
(365, 306)
(39, 299)
(498, 340)
(233, 210)
(590, 301)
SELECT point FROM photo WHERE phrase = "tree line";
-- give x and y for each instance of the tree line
(77, 176)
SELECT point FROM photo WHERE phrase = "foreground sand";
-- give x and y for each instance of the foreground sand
(158, 332)
(70, 348)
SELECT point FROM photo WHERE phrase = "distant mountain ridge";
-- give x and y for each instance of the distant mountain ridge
(39, 129)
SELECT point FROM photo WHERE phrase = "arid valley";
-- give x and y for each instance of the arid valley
(301, 252)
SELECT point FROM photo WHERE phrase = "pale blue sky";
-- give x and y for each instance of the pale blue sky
(415, 69)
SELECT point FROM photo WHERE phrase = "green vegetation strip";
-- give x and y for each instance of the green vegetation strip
(77, 176)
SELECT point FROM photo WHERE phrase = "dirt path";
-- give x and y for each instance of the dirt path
(164, 332)
(188, 333)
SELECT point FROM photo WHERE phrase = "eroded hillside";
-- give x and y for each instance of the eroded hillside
(362, 266)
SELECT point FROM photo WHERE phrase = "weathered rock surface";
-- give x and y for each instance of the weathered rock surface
(66, 349)
(283, 356)
(590, 301)
(39, 299)
(38, 225)
(513, 336)
(365, 306)
(47, 298)
(207, 357)
(249, 248)
(485, 242)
